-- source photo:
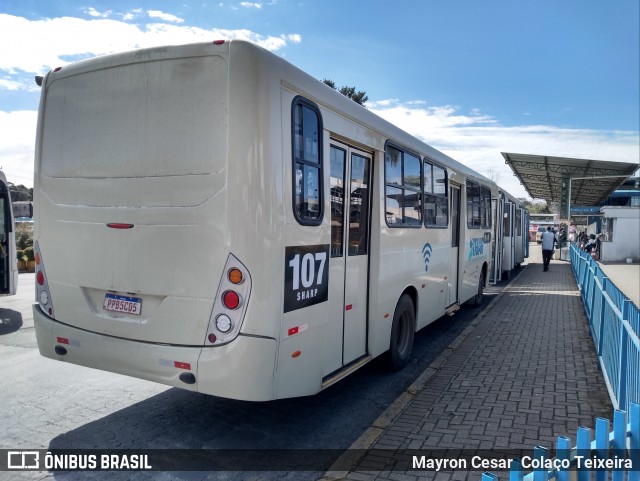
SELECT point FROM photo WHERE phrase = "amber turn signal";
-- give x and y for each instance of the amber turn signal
(235, 276)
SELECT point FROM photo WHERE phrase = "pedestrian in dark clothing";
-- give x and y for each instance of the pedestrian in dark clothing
(548, 242)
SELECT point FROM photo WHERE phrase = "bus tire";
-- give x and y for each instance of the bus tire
(477, 299)
(402, 333)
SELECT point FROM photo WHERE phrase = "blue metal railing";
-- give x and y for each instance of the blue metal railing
(619, 447)
(615, 326)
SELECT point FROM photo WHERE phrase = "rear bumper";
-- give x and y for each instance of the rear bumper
(243, 369)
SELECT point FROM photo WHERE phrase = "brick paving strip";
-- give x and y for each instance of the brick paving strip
(522, 374)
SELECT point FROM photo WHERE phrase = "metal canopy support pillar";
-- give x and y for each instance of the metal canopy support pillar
(565, 193)
(569, 206)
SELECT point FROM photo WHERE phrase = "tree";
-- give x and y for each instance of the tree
(493, 175)
(535, 207)
(330, 83)
(20, 193)
(358, 97)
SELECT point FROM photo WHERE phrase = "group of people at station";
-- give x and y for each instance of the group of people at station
(590, 243)
(552, 239)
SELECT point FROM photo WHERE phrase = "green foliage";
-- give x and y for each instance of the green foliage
(20, 255)
(330, 83)
(535, 207)
(20, 193)
(24, 235)
(28, 252)
(539, 208)
(359, 97)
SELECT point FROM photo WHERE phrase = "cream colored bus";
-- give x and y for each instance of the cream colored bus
(511, 234)
(212, 218)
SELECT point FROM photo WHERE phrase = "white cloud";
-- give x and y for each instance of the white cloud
(167, 17)
(94, 13)
(381, 104)
(9, 84)
(257, 6)
(40, 45)
(17, 145)
(477, 140)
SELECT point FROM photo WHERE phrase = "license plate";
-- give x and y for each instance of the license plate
(128, 305)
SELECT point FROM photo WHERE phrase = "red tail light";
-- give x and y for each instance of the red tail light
(231, 300)
(120, 226)
(230, 304)
(43, 295)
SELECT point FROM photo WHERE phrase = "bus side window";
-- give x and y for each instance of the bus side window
(506, 226)
(486, 207)
(436, 201)
(359, 201)
(337, 159)
(473, 205)
(307, 162)
(403, 190)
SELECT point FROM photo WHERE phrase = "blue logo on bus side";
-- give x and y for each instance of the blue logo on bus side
(476, 247)
(426, 255)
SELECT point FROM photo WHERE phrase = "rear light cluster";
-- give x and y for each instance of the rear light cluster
(230, 303)
(43, 295)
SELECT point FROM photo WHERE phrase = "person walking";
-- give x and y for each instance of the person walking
(548, 242)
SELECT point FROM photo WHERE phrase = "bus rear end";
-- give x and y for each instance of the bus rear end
(135, 270)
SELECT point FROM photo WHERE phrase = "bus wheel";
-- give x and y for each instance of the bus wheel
(402, 332)
(477, 299)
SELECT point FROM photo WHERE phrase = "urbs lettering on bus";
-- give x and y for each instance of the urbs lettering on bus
(476, 247)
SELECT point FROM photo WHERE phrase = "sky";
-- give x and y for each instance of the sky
(470, 78)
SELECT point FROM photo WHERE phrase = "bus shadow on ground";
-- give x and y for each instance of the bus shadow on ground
(333, 419)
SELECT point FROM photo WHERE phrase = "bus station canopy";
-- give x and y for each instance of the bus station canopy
(542, 176)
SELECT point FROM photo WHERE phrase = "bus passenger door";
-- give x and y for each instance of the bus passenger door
(349, 262)
(8, 272)
(496, 265)
(508, 242)
(454, 194)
